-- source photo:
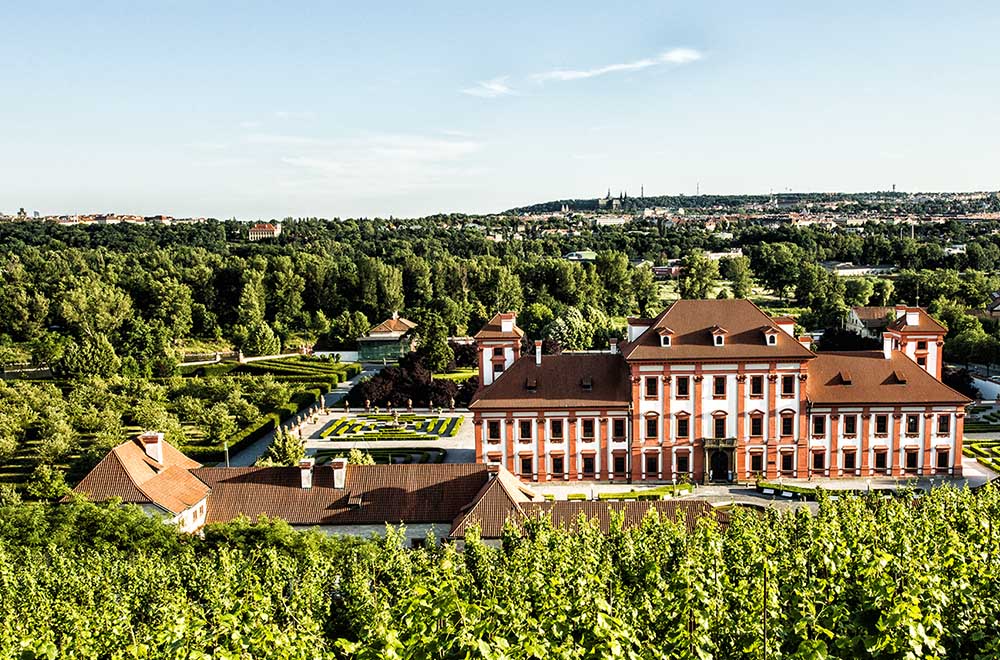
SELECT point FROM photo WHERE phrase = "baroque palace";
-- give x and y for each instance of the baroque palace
(716, 390)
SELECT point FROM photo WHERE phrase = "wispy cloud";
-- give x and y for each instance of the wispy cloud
(370, 164)
(490, 89)
(676, 56)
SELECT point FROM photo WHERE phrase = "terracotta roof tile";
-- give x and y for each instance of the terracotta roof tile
(692, 322)
(388, 493)
(865, 377)
(130, 475)
(395, 324)
(558, 383)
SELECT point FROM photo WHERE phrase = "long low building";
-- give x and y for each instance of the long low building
(446, 500)
(716, 390)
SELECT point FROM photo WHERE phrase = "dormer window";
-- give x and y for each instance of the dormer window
(770, 336)
(719, 336)
(587, 383)
(772, 340)
(666, 336)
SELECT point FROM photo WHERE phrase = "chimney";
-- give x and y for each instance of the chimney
(538, 352)
(613, 345)
(152, 444)
(912, 317)
(806, 340)
(886, 346)
(306, 472)
(339, 466)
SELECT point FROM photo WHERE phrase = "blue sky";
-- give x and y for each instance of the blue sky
(254, 109)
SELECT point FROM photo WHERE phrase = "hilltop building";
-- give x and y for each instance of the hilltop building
(263, 231)
(718, 390)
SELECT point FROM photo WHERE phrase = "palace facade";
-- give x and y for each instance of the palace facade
(718, 390)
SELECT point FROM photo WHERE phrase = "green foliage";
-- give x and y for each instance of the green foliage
(698, 275)
(47, 483)
(286, 448)
(358, 457)
(859, 578)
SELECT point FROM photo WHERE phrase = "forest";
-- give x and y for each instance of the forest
(863, 577)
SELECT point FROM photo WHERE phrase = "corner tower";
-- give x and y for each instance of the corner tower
(498, 345)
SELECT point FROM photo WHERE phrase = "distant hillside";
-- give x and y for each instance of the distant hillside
(733, 202)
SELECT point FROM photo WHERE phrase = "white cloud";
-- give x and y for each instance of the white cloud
(490, 89)
(295, 114)
(249, 124)
(675, 56)
(371, 164)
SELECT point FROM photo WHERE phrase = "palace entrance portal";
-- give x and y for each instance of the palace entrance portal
(720, 454)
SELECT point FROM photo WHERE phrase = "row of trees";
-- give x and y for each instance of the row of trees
(860, 578)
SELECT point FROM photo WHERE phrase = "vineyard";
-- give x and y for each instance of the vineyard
(861, 578)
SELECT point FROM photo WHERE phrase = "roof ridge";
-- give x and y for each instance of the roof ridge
(138, 486)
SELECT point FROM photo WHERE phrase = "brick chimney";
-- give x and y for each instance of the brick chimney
(339, 466)
(152, 444)
(306, 472)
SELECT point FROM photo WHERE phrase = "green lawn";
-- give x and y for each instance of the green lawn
(459, 375)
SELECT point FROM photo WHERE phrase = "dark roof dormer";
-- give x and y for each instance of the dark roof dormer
(666, 335)
(770, 335)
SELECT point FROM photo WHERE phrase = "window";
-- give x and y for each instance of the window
(942, 460)
(719, 386)
(588, 466)
(756, 386)
(719, 340)
(497, 353)
(881, 425)
(493, 430)
(921, 345)
(588, 429)
(652, 387)
(720, 427)
(788, 386)
(665, 341)
(819, 425)
(652, 464)
(683, 387)
(417, 542)
(787, 425)
(881, 460)
(498, 368)
(557, 429)
(772, 340)
(683, 427)
(787, 462)
(651, 427)
(619, 428)
(944, 424)
(819, 460)
(558, 466)
(912, 424)
(912, 458)
(756, 426)
(683, 463)
(922, 361)
(851, 425)
(619, 465)
(756, 462)
(526, 465)
(525, 430)
(850, 460)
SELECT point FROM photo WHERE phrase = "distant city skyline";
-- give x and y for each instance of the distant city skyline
(259, 111)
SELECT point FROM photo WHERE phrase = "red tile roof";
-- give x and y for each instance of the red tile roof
(494, 329)
(692, 322)
(394, 324)
(866, 377)
(558, 383)
(131, 476)
(387, 493)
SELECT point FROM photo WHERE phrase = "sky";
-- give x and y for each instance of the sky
(362, 109)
